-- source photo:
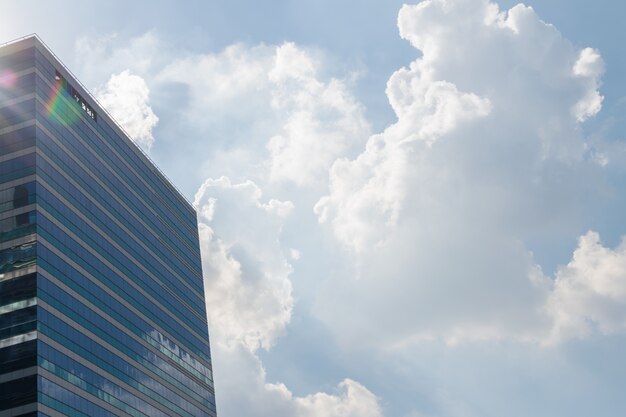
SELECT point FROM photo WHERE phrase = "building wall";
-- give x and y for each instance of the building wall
(18, 309)
(120, 304)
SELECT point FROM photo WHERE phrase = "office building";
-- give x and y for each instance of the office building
(102, 307)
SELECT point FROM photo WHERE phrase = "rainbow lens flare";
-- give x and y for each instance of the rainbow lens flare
(57, 109)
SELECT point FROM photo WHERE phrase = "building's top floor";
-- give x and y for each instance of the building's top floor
(93, 109)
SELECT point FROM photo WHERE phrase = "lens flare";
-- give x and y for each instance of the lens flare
(7, 79)
(57, 109)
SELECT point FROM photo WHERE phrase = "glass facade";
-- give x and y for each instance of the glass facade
(101, 296)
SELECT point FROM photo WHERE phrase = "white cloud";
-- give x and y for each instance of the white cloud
(590, 291)
(238, 370)
(292, 121)
(322, 119)
(295, 254)
(589, 64)
(589, 67)
(487, 154)
(438, 215)
(126, 97)
(249, 304)
(247, 286)
(269, 113)
(352, 400)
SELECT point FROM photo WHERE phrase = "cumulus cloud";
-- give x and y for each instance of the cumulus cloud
(438, 215)
(292, 121)
(126, 97)
(249, 304)
(271, 114)
(322, 119)
(241, 371)
(487, 154)
(589, 67)
(590, 291)
(247, 289)
(352, 400)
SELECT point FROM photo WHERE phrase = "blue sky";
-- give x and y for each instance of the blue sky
(405, 211)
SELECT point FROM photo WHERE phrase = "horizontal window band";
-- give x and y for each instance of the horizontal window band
(18, 305)
(101, 196)
(98, 266)
(118, 298)
(182, 385)
(14, 340)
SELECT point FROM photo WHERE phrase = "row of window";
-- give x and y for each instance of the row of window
(17, 167)
(17, 226)
(17, 196)
(62, 83)
(110, 213)
(12, 320)
(18, 112)
(17, 140)
(139, 257)
(82, 346)
(141, 347)
(104, 257)
(19, 87)
(24, 84)
(18, 392)
(18, 305)
(112, 399)
(17, 257)
(126, 149)
(18, 322)
(128, 346)
(90, 198)
(19, 356)
(18, 289)
(109, 196)
(19, 60)
(68, 403)
(102, 156)
(151, 350)
(139, 315)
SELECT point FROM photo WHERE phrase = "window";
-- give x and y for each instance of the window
(76, 96)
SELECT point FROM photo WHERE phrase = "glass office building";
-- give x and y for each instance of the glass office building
(101, 296)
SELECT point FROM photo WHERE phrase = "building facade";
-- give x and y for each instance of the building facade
(102, 307)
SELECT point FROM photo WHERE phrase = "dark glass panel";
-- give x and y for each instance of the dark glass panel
(16, 317)
(18, 139)
(18, 329)
(17, 167)
(20, 356)
(18, 257)
(20, 195)
(17, 289)
(18, 61)
(17, 226)
(18, 392)
(18, 322)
